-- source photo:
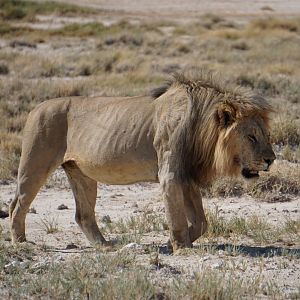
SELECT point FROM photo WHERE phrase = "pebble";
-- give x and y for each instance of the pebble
(15, 264)
(204, 258)
(4, 182)
(62, 207)
(106, 219)
(71, 246)
(132, 246)
(32, 210)
(40, 265)
(134, 205)
(218, 265)
(3, 214)
(12, 265)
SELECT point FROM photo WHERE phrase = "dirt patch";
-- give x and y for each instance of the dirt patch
(252, 245)
(192, 9)
(278, 262)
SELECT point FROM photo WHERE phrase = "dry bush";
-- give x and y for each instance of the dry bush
(10, 150)
(147, 222)
(275, 24)
(225, 187)
(17, 98)
(17, 9)
(280, 185)
(285, 131)
(4, 70)
(254, 227)
(276, 184)
(132, 59)
(212, 284)
(22, 43)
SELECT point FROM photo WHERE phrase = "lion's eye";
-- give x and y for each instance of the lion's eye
(252, 138)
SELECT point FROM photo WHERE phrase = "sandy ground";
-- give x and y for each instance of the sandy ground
(125, 201)
(187, 11)
(122, 201)
(192, 8)
(133, 200)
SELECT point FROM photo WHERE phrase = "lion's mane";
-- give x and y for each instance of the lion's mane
(201, 148)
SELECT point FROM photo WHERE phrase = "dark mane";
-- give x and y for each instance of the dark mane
(157, 92)
(190, 79)
(193, 145)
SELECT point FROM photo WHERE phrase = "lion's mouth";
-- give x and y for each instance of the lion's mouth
(247, 173)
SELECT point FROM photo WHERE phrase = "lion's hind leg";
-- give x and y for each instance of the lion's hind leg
(30, 180)
(85, 193)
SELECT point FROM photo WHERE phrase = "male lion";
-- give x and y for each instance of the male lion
(183, 136)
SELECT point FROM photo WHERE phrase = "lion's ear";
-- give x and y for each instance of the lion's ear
(226, 115)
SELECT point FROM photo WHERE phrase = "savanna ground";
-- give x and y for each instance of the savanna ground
(251, 249)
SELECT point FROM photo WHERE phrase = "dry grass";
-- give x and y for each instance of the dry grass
(285, 131)
(135, 227)
(20, 10)
(118, 276)
(254, 228)
(141, 224)
(130, 59)
(50, 225)
(281, 184)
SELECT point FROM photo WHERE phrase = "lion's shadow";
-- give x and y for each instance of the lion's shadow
(252, 251)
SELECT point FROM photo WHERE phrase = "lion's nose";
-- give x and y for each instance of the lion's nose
(268, 161)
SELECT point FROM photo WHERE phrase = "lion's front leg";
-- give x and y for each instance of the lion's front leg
(177, 221)
(173, 197)
(194, 211)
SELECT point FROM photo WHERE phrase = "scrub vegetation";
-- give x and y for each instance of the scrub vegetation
(40, 61)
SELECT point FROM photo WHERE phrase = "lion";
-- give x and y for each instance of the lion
(183, 136)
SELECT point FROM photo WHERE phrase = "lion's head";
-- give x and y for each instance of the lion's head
(224, 130)
(243, 146)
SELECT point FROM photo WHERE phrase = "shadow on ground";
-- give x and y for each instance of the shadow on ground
(253, 251)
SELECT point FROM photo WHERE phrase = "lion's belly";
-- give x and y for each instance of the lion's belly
(112, 140)
(115, 161)
(119, 171)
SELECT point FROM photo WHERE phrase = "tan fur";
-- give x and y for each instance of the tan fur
(193, 130)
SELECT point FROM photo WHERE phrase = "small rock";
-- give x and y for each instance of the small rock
(12, 265)
(106, 219)
(218, 265)
(132, 246)
(40, 265)
(59, 258)
(205, 258)
(15, 264)
(71, 246)
(24, 264)
(4, 182)
(134, 205)
(32, 210)
(3, 214)
(62, 207)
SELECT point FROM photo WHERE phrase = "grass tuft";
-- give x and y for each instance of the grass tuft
(50, 225)
(17, 9)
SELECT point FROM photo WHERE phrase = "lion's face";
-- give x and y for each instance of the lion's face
(253, 151)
